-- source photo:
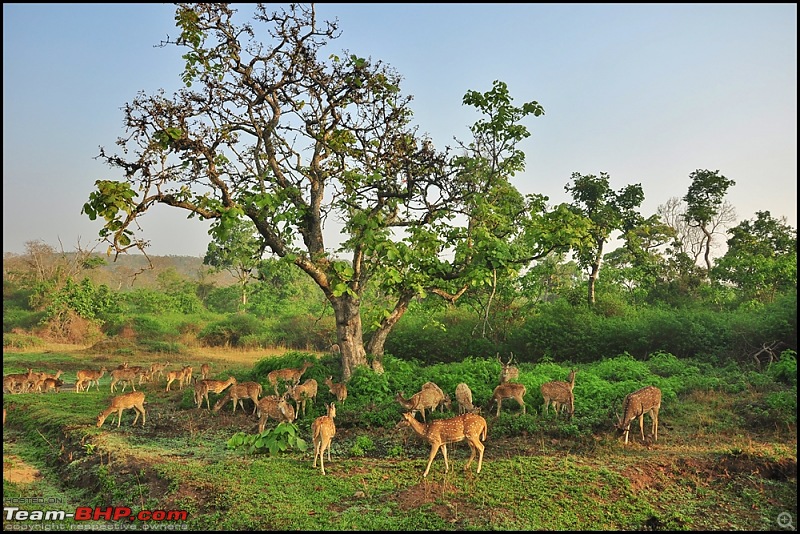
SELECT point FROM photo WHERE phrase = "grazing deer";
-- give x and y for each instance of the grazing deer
(464, 399)
(51, 383)
(187, 375)
(322, 431)
(509, 390)
(560, 394)
(158, 369)
(205, 370)
(302, 393)
(636, 404)
(85, 377)
(287, 375)
(15, 382)
(338, 390)
(37, 380)
(508, 372)
(276, 408)
(427, 398)
(203, 387)
(445, 401)
(440, 432)
(134, 399)
(237, 393)
(126, 376)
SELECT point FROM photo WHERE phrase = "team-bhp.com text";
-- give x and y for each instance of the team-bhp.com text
(87, 513)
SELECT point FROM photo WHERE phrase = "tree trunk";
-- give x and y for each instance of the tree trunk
(348, 329)
(378, 340)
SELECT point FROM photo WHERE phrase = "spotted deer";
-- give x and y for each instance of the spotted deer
(86, 377)
(338, 390)
(134, 399)
(322, 431)
(237, 393)
(301, 394)
(560, 394)
(464, 399)
(508, 372)
(126, 376)
(292, 376)
(274, 407)
(205, 371)
(636, 404)
(203, 387)
(427, 398)
(158, 369)
(509, 390)
(471, 427)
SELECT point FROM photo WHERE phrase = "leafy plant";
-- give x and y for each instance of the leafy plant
(282, 438)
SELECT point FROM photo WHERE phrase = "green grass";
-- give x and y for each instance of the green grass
(708, 471)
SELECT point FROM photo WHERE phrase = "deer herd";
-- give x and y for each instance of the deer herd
(467, 426)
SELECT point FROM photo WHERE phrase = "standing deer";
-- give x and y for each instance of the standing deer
(126, 376)
(509, 390)
(508, 372)
(427, 398)
(134, 399)
(85, 377)
(301, 394)
(205, 371)
(445, 401)
(275, 407)
(322, 431)
(237, 393)
(464, 399)
(338, 390)
(292, 376)
(440, 432)
(636, 404)
(203, 387)
(560, 394)
(158, 369)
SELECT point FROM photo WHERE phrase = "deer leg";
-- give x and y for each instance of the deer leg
(434, 450)
(641, 425)
(472, 453)
(499, 403)
(444, 453)
(654, 415)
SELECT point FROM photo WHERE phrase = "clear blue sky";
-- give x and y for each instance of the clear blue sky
(648, 93)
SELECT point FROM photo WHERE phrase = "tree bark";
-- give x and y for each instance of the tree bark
(377, 342)
(348, 329)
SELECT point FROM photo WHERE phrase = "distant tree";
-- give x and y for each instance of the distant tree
(689, 238)
(704, 202)
(761, 260)
(607, 211)
(237, 250)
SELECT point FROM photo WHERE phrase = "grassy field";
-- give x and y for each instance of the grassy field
(703, 473)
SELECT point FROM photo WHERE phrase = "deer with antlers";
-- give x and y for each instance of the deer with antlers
(636, 404)
(508, 372)
(439, 433)
(322, 431)
(560, 394)
(292, 376)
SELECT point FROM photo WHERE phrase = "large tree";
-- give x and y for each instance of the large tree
(606, 211)
(294, 138)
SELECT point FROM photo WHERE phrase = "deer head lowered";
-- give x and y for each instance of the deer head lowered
(560, 394)
(470, 427)
(636, 404)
